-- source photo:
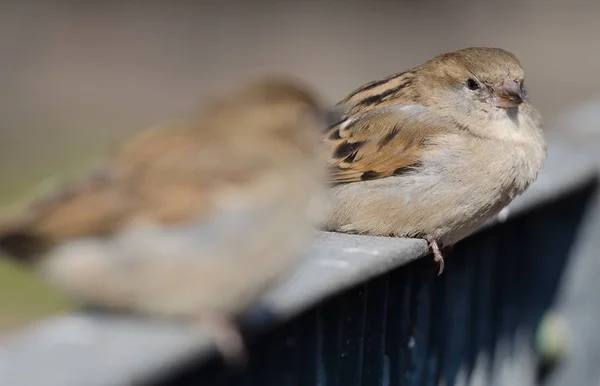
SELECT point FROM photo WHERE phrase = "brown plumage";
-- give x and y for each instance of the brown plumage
(377, 141)
(192, 220)
(434, 151)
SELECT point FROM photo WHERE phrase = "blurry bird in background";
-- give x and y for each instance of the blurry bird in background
(192, 220)
(435, 151)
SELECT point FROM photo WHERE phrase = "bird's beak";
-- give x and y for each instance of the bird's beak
(508, 95)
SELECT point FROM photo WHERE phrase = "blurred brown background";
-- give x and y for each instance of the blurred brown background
(75, 78)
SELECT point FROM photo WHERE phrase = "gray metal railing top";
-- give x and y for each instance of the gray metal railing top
(98, 349)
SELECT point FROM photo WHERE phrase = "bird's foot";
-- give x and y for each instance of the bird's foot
(437, 254)
(227, 338)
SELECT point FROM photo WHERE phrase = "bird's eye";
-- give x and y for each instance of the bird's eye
(472, 84)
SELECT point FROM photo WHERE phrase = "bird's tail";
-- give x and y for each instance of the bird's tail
(18, 243)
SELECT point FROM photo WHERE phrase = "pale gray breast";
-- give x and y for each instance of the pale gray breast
(482, 181)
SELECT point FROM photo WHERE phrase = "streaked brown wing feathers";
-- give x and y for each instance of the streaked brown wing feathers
(162, 176)
(378, 143)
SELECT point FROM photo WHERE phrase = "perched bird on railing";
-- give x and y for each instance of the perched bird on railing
(191, 220)
(435, 151)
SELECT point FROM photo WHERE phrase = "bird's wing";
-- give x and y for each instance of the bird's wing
(380, 142)
(164, 176)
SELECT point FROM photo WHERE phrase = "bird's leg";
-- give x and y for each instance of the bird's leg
(437, 254)
(227, 338)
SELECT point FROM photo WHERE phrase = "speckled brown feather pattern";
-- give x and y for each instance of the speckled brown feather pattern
(391, 90)
(358, 143)
(378, 143)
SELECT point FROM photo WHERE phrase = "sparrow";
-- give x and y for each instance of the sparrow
(435, 151)
(191, 220)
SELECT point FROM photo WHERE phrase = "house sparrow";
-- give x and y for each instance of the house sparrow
(192, 220)
(435, 151)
